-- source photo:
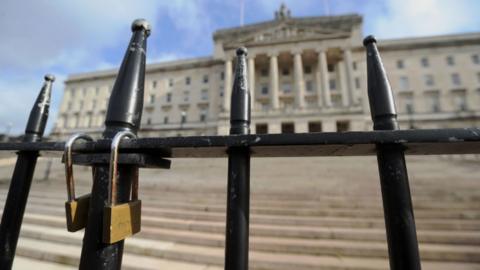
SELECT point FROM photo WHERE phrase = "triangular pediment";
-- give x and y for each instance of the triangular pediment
(287, 32)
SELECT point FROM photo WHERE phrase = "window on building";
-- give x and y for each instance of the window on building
(332, 84)
(331, 67)
(154, 84)
(65, 122)
(450, 60)
(336, 100)
(433, 101)
(80, 105)
(186, 95)
(203, 115)
(476, 59)
(221, 92)
(288, 127)
(354, 65)
(151, 98)
(287, 88)
(165, 119)
(204, 94)
(428, 80)
(285, 71)
(187, 80)
(403, 83)
(311, 103)
(315, 126)
(77, 121)
(307, 69)
(264, 89)
(84, 91)
(261, 128)
(170, 82)
(309, 86)
(205, 78)
(478, 77)
(357, 83)
(72, 92)
(149, 121)
(69, 105)
(169, 97)
(425, 62)
(97, 91)
(409, 107)
(460, 100)
(222, 75)
(400, 64)
(94, 104)
(183, 118)
(264, 72)
(456, 79)
(265, 106)
(343, 126)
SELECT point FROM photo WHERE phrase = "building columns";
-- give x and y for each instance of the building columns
(274, 100)
(347, 56)
(323, 87)
(251, 79)
(343, 83)
(227, 88)
(299, 81)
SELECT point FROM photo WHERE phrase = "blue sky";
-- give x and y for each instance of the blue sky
(65, 37)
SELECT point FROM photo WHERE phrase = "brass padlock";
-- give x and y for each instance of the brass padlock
(76, 209)
(120, 220)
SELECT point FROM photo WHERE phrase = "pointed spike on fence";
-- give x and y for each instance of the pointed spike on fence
(39, 113)
(126, 101)
(380, 95)
(240, 101)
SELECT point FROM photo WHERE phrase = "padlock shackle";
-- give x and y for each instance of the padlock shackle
(69, 163)
(112, 191)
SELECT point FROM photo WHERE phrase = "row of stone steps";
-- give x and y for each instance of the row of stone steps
(158, 210)
(64, 247)
(301, 211)
(185, 230)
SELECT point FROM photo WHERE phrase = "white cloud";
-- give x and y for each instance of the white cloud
(408, 18)
(63, 37)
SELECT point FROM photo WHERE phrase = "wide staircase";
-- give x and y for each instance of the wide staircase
(321, 222)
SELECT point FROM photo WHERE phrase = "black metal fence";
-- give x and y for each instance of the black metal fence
(387, 142)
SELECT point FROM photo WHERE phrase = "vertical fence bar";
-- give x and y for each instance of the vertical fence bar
(238, 193)
(22, 177)
(124, 113)
(397, 201)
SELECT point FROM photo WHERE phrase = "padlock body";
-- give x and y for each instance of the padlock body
(77, 213)
(121, 221)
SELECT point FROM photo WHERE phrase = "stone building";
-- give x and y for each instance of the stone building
(306, 74)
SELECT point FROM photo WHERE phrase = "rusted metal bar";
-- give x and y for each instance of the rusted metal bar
(22, 177)
(397, 201)
(123, 114)
(238, 191)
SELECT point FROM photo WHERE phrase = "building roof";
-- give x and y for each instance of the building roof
(162, 66)
(342, 22)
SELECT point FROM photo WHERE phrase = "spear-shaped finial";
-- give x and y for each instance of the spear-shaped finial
(39, 113)
(382, 105)
(126, 101)
(240, 102)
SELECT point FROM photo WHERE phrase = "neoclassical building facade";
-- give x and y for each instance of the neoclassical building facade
(305, 74)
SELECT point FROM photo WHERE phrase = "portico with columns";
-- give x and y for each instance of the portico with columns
(296, 68)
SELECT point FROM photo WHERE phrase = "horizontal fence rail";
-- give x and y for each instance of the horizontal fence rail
(358, 143)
